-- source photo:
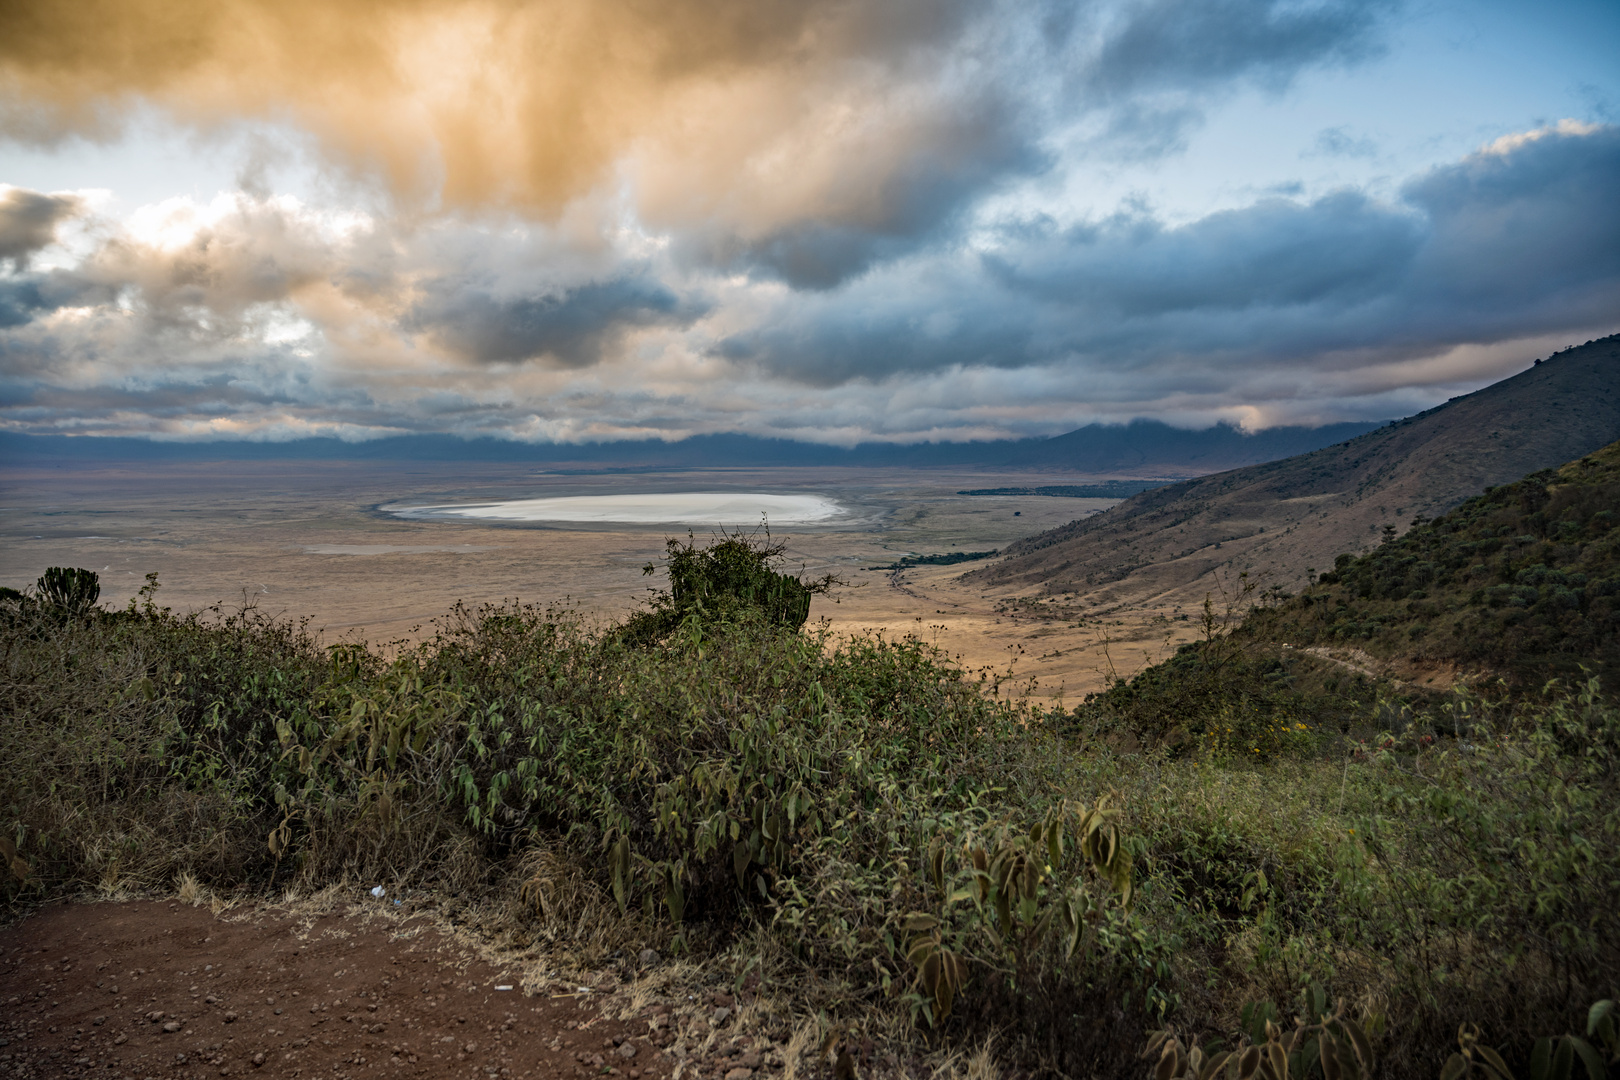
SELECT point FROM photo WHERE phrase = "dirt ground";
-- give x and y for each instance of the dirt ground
(165, 989)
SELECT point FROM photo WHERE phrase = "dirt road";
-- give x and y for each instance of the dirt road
(166, 989)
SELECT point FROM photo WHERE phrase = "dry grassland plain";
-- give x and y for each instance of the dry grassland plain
(316, 540)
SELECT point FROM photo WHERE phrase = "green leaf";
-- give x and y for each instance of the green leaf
(1541, 1059)
(1494, 1061)
(1597, 1013)
(1589, 1057)
(1563, 1060)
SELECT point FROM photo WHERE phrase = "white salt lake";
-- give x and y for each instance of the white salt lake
(705, 508)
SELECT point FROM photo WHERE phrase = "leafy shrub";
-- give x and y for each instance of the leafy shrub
(718, 582)
(70, 590)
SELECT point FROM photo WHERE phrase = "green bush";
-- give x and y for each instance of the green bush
(730, 578)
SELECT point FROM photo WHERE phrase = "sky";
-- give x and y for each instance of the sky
(839, 221)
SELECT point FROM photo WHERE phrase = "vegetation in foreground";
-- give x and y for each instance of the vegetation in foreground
(882, 839)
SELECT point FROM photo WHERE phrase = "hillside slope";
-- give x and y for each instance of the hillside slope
(1522, 582)
(1281, 518)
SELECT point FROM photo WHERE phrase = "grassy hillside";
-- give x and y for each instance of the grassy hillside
(1278, 520)
(1522, 582)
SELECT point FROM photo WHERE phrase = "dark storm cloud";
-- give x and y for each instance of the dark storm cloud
(28, 221)
(570, 328)
(1341, 249)
(25, 297)
(921, 199)
(1513, 240)
(1528, 228)
(831, 343)
(1151, 69)
(1146, 70)
(1187, 44)
(1519, 239)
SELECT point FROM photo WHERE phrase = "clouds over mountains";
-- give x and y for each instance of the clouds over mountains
(608, 219)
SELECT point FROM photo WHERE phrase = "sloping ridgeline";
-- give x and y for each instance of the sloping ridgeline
(1281, 518)
(1522, 582)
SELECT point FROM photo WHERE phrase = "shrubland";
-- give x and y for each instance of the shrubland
(888, 842)
(1521, 583)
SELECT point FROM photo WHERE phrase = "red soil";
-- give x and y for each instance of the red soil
(164, 989)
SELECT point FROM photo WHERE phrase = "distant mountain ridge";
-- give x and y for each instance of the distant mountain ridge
(1280, 518)
(1142, 446)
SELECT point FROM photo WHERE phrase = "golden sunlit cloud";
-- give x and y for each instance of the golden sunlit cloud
(778, 111)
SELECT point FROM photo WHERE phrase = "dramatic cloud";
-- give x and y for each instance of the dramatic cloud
(584, 219)
(1518, 240)
(572, 328)
(28, 222)
(805, 139)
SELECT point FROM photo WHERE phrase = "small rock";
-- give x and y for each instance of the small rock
(627, 1051)
(749, 1060)
(469, 1048)
(648, 957)
(121, 1040)
(154, 1016)
(721, 1015)
(258, 1059)
(230, 1018)
(172, 1026)
(98, 1021)
(739, 1074)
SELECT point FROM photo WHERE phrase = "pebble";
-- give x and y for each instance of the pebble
(721, 1015)
(626, 1051)
(648, 957)
(172, 1026)
(739, 1074)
